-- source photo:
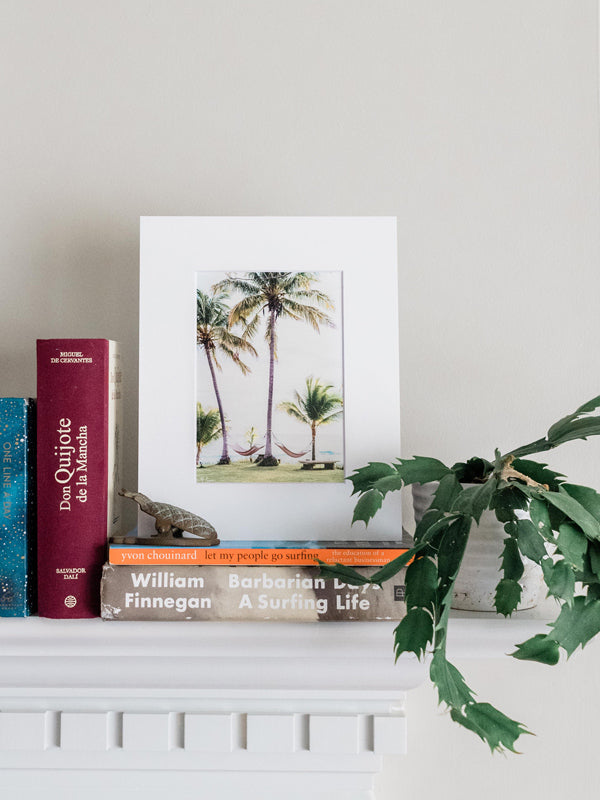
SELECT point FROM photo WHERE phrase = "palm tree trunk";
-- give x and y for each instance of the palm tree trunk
(224, 455)
(313, 429)
(269, 460)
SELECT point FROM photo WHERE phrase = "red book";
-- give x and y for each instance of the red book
(78, 462)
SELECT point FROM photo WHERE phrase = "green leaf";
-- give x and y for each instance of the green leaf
(430, 518)
(576, 624)
(367, 506)
(575, 511)
(572, 544)
(558, 431)
(508, 594)
(393, 567)
(452, 548)
(531, 543)
(578, 429)
(476, 499)
(494, 727)
(586, 575)
(594, 558)
(364, 478)
(566, 429)
(343, 573)
(421, 583)
(593, 592)
(506, 501)
(588, 498)
(559, 578)
(475, 470)
(538, 472)
(540, 516)
(512, 565)
(421, 470)
(414, 633)
(446, 493)
(451, 686)
(556, 517)
(539, 648)
(390, 483)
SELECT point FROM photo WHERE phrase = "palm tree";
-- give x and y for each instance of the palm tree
(275, 295)
(213, 334)
(208, 428)
(318, 406)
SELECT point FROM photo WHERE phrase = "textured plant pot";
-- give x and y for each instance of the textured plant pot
(479, 574)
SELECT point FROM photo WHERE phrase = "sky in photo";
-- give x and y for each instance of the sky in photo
(302, 352)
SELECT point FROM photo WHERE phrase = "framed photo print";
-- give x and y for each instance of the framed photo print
(268, 371)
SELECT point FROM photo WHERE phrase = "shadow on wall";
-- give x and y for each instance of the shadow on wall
(73, 278)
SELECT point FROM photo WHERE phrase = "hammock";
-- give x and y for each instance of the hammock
(289, 452)
(249, 452)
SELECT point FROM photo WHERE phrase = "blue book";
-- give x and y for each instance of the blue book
(18, 525)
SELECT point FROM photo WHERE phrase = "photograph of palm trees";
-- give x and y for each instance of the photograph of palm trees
(269, 377)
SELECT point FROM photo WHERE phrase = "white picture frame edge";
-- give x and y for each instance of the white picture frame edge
(172, 251)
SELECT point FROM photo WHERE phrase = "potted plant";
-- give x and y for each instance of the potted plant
(546, 519)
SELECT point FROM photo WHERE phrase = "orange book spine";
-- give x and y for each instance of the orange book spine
(154, 556)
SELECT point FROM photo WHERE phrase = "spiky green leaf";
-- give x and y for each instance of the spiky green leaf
(507, 597)
(364, 478)
(367, 506)
(452, 548)
(505, 502)
(512, 564)
(389, 483)
(559, 578)
(531, 543)
(541, 648)
(499, 731)
(414, 633)
(572, 543)
(476, 499)
(451, 686)
(343, 573)
(574, 511)
(393, 567)
(587, 497)
(573, 426)
(421, 583)
(421, 469)
(446, 493)
(576, 624)
(540, 517)
(475, 470)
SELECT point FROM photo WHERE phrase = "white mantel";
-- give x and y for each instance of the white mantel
(255, 710)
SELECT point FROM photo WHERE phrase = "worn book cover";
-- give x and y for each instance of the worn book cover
(260, 552)
(78, 458)
(285, 594)
(17, 526)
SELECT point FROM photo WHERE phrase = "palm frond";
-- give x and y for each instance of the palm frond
(295, 412)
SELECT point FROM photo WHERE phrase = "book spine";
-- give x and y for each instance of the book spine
(279, 594)
(17, 526)
(267, 556)
(77, 458)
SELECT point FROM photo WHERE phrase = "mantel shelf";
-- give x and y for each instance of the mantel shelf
(102, 703)
(365, 649)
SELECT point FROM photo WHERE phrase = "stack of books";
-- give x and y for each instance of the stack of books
(65, 447)
(253, 580)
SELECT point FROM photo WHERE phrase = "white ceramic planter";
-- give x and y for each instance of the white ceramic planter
(479, 574)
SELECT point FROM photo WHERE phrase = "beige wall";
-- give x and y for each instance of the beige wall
(474, 122)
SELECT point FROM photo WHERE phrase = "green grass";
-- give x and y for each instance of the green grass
(246, 472)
